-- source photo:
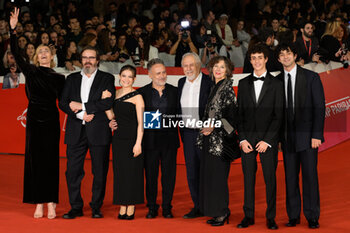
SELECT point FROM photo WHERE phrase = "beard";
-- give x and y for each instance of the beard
(308, 35)
(191, 78)
(89, 70)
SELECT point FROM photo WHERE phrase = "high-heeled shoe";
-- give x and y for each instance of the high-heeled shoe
(130, 217)
(211, 221)
(121, 216)
(51, 210)
(220, 221)
(39, 211)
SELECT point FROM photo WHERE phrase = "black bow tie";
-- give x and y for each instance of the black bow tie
(257, 79)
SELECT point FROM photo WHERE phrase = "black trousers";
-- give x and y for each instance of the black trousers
(167, 159)
(192, 158)
(269, 165)
(307, 159)
(75, 171)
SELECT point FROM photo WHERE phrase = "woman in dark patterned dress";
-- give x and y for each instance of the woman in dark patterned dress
(214, 169)
(43, 88)
(127, 123)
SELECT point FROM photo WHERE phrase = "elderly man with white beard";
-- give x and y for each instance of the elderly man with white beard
(193, 93)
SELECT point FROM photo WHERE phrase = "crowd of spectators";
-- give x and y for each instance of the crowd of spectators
(133, 32)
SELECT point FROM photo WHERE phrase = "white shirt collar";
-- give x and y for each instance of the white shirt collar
(293, 72)
(263, 75)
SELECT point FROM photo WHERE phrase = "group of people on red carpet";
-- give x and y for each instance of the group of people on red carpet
(286, 111)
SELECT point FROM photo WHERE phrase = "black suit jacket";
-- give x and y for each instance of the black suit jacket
(309, 109)
(260, 120)
(97, 130)
(170, 136)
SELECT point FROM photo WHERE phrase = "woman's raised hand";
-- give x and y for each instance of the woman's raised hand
(14, 18)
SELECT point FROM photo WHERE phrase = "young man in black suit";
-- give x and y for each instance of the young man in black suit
(260, 107)
(160, 145)
(87, 129)
(193, 92)
(302, 135)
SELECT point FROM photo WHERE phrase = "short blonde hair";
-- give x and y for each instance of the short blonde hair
(35, 58)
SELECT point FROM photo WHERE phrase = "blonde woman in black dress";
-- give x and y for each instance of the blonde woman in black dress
(43, 87)
(127, 122)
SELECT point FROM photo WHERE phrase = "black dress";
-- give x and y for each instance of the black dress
(41, 170)
(128, 170)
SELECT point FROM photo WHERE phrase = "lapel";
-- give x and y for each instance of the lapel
(95, 84)
(300, 89)
(148, 97)
(78, 88)
(252, 88)
(202, 91)
(265, 87)
(180, 87)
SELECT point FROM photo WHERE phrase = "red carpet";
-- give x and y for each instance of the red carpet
(334, 177)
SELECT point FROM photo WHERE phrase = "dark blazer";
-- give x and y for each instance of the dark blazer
(309, 108)
(301, 49)
(206, 85)
(98, 131)
(260, 120)
(170, 136)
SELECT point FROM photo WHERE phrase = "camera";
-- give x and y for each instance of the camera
(184, 26)
(208, 39)
(136, 59)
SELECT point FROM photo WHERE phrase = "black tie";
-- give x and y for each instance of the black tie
(260, 78)
(290, 111)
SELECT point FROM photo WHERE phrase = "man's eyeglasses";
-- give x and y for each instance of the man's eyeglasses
(88, 58)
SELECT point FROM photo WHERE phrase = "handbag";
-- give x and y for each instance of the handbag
(231, 150)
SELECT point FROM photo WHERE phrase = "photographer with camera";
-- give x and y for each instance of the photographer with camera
(210, 50)
(184, 42)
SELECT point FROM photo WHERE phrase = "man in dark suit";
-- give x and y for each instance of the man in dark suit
(160, 145)
(302, 135)
(307, 45)
(260, 107)
(193, 92)
(87, 129)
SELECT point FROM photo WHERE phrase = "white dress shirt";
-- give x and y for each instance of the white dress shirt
(86, 84)
(293, 74)
(190, 99)
(258, 85)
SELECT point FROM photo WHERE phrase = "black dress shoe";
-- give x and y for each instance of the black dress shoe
(271, 224)
(152, 213)
(73, 213)
(167, 214)
(96, 214)
(121, 216)
(194, 213)
(246, 222)
(293, 222)
(220, 221)
(313, 223)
